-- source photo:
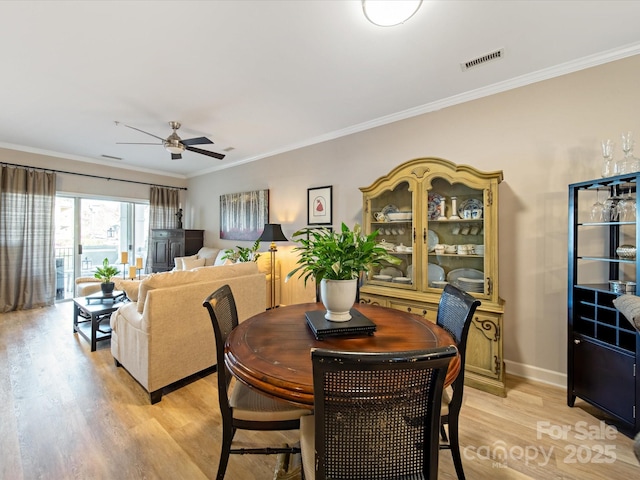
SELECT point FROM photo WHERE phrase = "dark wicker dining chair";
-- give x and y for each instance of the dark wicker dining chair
(243, 408)
(455, 311)
(376, 415)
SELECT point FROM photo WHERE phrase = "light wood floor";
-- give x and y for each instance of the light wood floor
(68, 413)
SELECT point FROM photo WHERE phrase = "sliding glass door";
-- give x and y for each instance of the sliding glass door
(88, 230)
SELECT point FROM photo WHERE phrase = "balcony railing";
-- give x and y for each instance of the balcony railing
(92, 256)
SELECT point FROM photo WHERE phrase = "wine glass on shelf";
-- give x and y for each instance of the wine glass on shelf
(607, 154)
(627, 143)
(626, 208)
(598, 209)
(630, 163)
(611, 208)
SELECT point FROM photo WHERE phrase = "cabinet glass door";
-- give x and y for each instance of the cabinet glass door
(392, 214)
(455, 231)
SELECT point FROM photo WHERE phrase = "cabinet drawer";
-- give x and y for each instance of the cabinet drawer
(168, 234)
(426, 311)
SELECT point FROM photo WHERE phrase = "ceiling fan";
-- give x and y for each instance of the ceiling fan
(174, 144)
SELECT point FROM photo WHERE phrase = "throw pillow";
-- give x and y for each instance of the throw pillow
(191, 263)
(179, 261)
(145, 286)
(219, 261)
(629, 306)
(209, 254)
(130, 287)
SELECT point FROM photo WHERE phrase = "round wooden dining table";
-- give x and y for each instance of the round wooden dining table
(271, 351)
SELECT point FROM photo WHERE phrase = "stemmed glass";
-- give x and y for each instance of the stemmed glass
(627, 143)
(629, 162)
(626, 208)
(611, 208)
(598, 210)
(607, 154)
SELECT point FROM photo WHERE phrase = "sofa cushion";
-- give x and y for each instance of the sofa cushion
(191, 263)
(179, 261)
(264, 263)
(86, 286)
(220, 261)
(130, 287)
(181, 277)
(209, 254)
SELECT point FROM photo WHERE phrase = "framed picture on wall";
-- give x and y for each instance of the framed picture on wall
(319, 205)
(243, 215)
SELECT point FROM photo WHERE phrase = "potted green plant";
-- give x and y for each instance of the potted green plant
(336, 259)
(243, 254)
(105, 273)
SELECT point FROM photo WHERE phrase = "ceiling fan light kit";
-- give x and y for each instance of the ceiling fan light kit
(175, 145)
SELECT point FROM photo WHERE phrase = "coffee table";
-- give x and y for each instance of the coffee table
(89, 312)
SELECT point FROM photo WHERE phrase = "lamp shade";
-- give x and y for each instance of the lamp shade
(272, 233)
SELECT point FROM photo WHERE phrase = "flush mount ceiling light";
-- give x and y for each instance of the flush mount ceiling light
(388, 13)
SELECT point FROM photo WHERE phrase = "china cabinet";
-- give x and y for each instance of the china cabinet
(169, 243)
(441, 220)
(603, 347)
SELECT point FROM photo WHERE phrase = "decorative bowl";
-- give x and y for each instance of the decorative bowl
(383, 278)
(617, 286)
(401, 280)
(630, 287)
(397, 216)
(626, 251)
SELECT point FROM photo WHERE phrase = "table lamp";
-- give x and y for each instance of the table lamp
(273, 233)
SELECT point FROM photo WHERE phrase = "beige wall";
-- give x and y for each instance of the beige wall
(543, 136)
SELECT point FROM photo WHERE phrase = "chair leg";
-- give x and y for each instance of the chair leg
(455, 447)
(227, 438)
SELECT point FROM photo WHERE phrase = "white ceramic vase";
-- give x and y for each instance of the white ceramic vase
(338, 296)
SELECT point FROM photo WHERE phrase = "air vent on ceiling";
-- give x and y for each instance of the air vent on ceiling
(111, 157)
(495, 55)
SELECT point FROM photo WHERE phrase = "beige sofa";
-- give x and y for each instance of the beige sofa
(213, 256)
(208, 256)
(165, 335)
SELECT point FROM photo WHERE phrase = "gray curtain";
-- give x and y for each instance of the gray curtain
(163, 207)
(27, 250)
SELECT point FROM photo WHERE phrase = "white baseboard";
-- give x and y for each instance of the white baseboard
(537, 374)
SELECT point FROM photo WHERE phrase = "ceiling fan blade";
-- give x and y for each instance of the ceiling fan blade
(196, 141)
(136, 143)
(142, 131)
(219, 156)
(176, 156)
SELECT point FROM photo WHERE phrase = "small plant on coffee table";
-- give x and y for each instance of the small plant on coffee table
(105, 273)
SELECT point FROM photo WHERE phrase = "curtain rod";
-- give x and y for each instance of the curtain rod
(91, 176)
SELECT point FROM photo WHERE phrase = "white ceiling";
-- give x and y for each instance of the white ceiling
(264, 77)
